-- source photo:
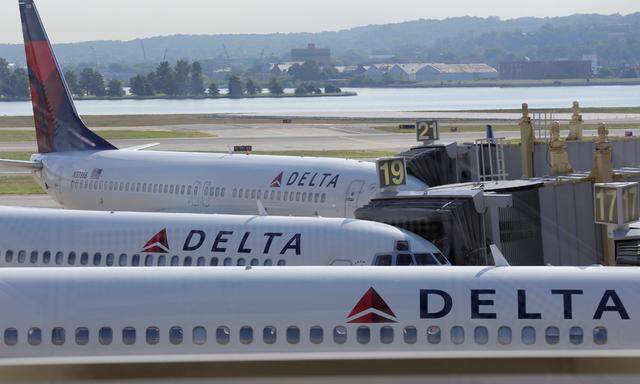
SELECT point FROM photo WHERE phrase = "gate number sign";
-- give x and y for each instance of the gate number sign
(391, 171)
(616, 203)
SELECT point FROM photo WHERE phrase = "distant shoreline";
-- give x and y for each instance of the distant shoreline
(163, 97)
(510, 83)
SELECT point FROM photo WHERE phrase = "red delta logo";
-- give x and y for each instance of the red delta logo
(371, 308)
(277, 181)
(158, 243)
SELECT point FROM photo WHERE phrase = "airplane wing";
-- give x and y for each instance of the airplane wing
(139, 147)
(21, 163)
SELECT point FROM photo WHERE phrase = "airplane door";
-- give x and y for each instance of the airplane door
(353, 193)
(196, 195)
(206, 194)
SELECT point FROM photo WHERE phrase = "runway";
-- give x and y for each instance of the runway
(285, 137)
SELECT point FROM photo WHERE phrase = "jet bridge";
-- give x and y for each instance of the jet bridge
(453, 219)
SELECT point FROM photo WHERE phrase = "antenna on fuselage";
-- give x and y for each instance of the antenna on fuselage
(498, 258)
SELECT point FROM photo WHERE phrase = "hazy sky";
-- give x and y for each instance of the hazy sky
(80, 20)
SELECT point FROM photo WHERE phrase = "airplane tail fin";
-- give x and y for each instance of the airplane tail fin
(58, 125)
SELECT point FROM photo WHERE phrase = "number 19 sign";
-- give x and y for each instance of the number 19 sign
(392, 172)
(616, 203)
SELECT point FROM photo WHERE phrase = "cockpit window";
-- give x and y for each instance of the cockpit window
(426, 259)
(383, 260)
(404, 259)
(441, 259)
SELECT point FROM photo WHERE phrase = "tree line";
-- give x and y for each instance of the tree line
(14, 81)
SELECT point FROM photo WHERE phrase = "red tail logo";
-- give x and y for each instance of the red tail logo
(277, 181)
(371, 308)
(158, 243)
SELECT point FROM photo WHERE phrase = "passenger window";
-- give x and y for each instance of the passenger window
(22, 257)
(200, 261)
(121, 186)
(278, 195)
(223, 334)
(293, 335)
(171, 189)
(213, 262)
(137, 187)
(269, 334)
(97, 259)
(600, 335)
(110, 259)
(457, 335)
(410, 334)
(316, 334)
(175, 261)
(297, 196)
(434, 334)
(286, 195)
(576, 335)
(105, 335)
(323, 197)
(363, 334)
(126, 187)
(59, 258)
(57, 336)
(153, 335)
(129, 335)
(155, 188)
(340, 334)
(481, 335)
(188, 190)
(8, 256)
(175, 335)
(122, 260)
(304, 196)
(234, 193)
(188, 261)
(268, 262)
(135, 260)
(404, 259)
(72, 258)
(84, 258)
(34, 336)
(255, 262)
(387, 334)
(222, 192)
(504, 335)
(82, 336)
(166, 188)
(246, 335)
(425, 259)
(10, 336)
(182, 190)
(227, 262)
(528, 335)
(273, 195)
(382, 260)
(552, 335)
(34, 257)
(259, 194)
(199, 335)
(282, 263)
(148, 261)
(242, 262)
(162, 260)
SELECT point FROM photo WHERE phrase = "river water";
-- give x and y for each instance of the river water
(372, 101)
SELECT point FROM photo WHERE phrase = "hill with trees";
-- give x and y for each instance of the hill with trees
(614, 38)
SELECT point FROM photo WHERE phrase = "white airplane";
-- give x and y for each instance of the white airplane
(36, 237)
(141, 315)
(81, 170)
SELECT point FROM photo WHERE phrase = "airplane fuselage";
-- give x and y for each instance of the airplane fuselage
(209, 183)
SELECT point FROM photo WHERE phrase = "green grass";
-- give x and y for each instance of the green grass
(554, 110)
(28, 134)
(446, 127)
(345, 154)
(19, 185)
